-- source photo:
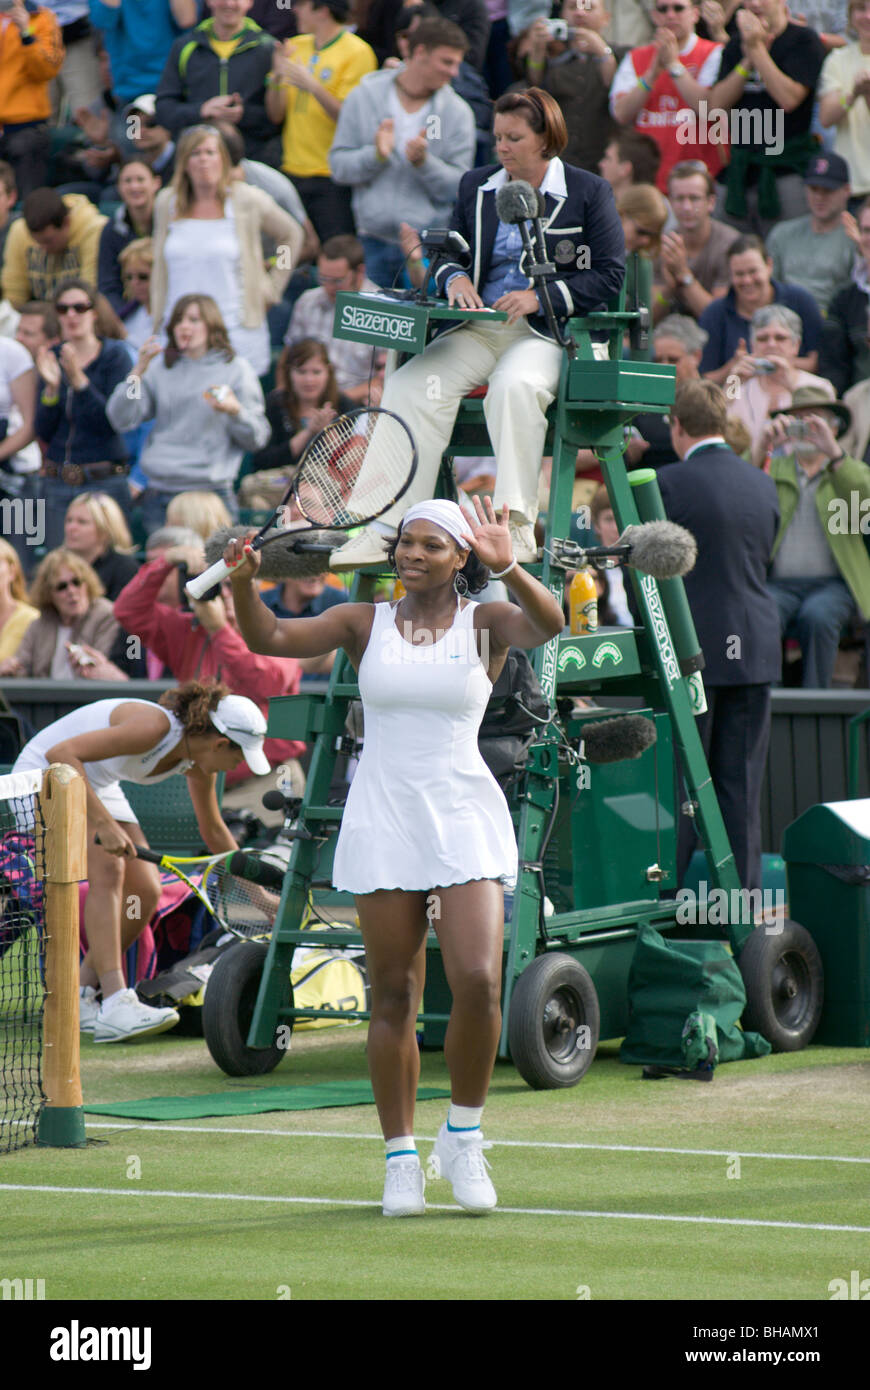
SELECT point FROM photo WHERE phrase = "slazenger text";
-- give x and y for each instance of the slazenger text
(370, 321)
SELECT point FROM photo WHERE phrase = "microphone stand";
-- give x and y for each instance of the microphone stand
(539, 272)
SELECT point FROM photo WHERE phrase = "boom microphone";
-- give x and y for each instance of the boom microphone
(253, 869)
(292, 557)
(516, 201)
(660, 548)
(615, 740)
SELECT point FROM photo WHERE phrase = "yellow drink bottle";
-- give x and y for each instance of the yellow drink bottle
(583, 603)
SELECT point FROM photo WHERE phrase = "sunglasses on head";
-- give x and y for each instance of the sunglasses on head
(68, 584)
(79, 307)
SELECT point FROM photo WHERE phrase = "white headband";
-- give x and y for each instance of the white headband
(448, 515)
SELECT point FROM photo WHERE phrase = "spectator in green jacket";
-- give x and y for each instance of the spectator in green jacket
(820, 571)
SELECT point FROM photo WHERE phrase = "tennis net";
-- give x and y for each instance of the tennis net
(42, 859)
(22, 961)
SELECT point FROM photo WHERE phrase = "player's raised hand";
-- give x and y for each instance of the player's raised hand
(492, 538)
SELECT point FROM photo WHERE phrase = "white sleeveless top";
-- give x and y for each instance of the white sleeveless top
(424, 811)
(129, 767)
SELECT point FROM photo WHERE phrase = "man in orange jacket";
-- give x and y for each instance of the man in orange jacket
(31, 54)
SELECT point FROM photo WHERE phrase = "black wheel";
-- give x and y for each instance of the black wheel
(784, 982)
(554, 1022)
(229, 1007)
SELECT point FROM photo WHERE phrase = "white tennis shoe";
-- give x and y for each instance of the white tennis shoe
(403, 1188)
(525, 547)
(368, 548)
(459, 1157)
(127, 1017)
(89, 1007)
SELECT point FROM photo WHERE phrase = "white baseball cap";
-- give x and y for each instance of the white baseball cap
(239, 719)
(147, 104)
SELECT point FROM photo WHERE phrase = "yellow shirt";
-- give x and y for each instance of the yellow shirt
(14, 629)
(308, 131)
(225, 48)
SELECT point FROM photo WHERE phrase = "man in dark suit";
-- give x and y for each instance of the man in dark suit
(731, 509)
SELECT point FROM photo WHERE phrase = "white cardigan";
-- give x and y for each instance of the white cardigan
(255, 213)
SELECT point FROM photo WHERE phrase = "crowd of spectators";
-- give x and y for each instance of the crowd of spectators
(186, 186)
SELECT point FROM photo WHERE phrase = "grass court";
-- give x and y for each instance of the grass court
(754, 1187)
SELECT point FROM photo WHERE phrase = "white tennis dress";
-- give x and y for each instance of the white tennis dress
(106, 776)
(424, 811)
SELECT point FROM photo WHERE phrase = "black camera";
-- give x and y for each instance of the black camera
(184, 576)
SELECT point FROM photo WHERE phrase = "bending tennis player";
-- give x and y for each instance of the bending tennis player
(426, 833)
(198, 730)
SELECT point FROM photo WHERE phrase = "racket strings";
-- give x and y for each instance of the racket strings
(246, 909)
(335, 489)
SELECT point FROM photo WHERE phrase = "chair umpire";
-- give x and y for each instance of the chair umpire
(732, 511)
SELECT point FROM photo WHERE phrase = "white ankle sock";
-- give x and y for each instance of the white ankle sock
(461, 1117)
(388, 532)
(402, 1147)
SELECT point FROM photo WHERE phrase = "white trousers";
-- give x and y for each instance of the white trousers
(522, 373)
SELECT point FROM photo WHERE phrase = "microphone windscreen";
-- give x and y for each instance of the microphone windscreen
(615, 740)
(273, 801)
(516, 201)
(661, 548)
(253, 869)
(280, 559)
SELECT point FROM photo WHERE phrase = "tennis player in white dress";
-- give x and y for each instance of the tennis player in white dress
(426, 826)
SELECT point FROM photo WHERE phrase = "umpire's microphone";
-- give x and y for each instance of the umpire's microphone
(517, 204)
(253, 869)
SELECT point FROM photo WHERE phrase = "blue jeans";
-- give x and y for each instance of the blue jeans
(385, 264)
(154, 501)
(813, 611)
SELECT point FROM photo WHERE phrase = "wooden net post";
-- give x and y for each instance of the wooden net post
(63, 803)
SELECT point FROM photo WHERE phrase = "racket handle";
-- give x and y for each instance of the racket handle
(151, 856)
(201, 583)
(142, 852)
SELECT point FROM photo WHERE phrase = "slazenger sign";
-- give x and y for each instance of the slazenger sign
(392, 326)
(660, 630)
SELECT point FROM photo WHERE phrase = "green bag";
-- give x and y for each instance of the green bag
(669, 981)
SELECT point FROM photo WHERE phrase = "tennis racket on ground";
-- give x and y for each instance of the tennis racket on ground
(350, 473)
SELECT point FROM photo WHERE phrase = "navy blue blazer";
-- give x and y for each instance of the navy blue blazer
(581, 228)
(731, 509)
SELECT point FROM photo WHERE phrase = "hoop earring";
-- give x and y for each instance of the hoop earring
(460, 584)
